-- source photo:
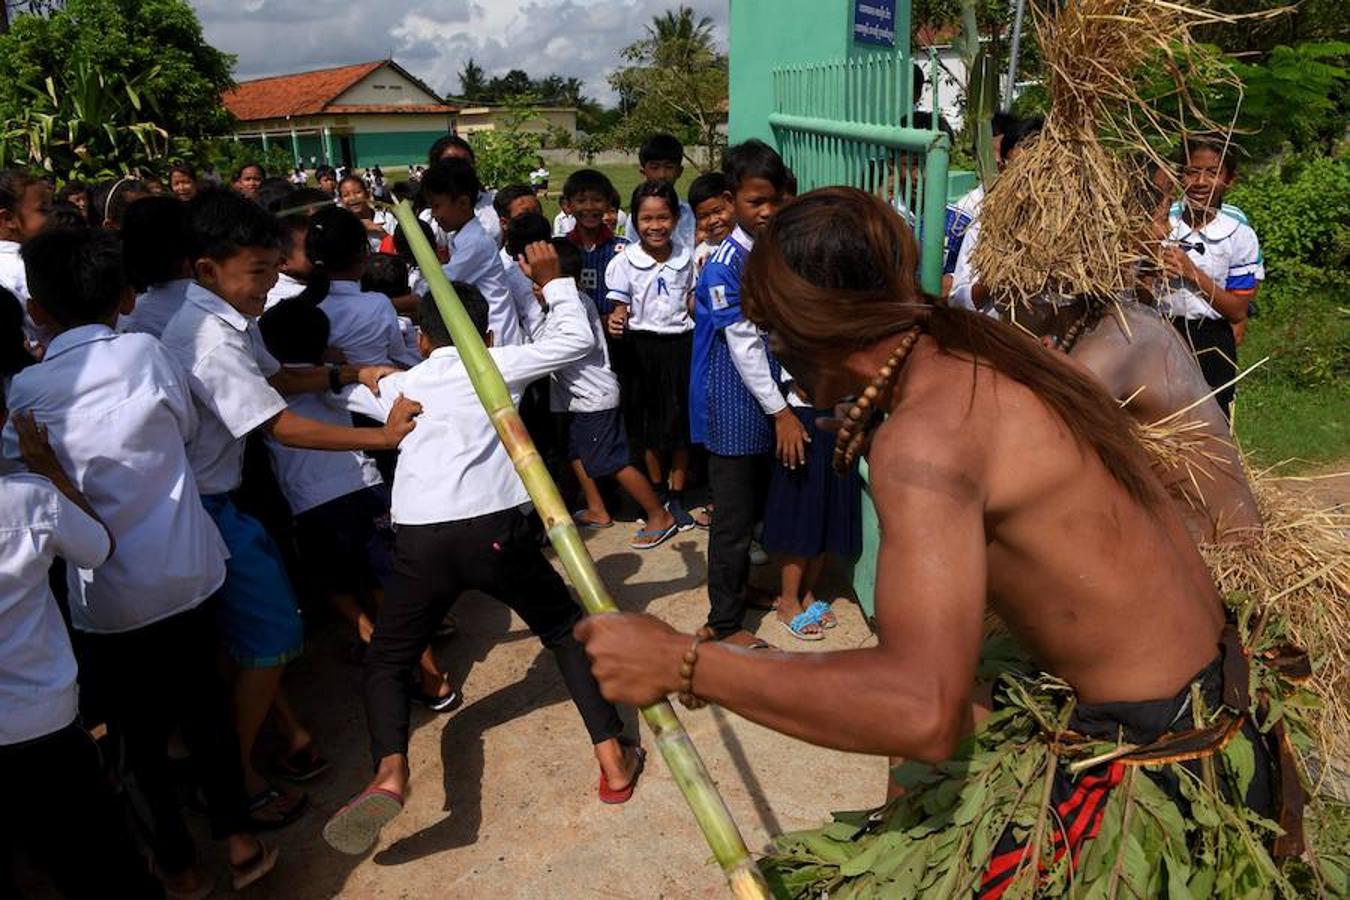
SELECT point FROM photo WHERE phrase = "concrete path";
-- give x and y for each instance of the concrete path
(504, 789)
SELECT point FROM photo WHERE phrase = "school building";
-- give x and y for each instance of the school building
(540, 120)
(369, 114)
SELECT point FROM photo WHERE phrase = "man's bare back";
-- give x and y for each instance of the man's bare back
(1139, 357)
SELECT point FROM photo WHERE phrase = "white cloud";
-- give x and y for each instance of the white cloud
(434, 38)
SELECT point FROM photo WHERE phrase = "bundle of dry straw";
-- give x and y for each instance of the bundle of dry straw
(1297, 569)
(1069, 218)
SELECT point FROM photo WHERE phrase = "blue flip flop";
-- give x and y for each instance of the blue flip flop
(661, 537)
(798, 625)
(819, 610)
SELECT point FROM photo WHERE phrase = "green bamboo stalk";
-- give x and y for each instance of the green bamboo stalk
(743, 875)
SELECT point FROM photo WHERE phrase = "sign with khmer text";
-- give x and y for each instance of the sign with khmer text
(874, 22)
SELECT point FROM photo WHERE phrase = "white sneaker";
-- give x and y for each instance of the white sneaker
(757, 555)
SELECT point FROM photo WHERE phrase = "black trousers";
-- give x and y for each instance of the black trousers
(150, 681)
(739, 486)
(1215, 348)
(433, 564)
(60, 808)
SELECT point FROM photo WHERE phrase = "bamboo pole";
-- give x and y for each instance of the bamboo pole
(743, 875)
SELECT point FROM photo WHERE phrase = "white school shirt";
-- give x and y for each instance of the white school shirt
(745, 344)
(363, 326)
(963, 276)
(656, 293)
(385, 221)
(563, 224)
(285, 288)
(486, 213)
(310, 478)
(452, 466)
(38, 693)
(118, 411)
(474, 258)
(528, 310)
(155, 308)
(1231, 257)
(223, 351)
(685, 227)
(14, 278)
(589, 384)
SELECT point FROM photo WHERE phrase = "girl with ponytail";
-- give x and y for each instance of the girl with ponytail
(365, 329)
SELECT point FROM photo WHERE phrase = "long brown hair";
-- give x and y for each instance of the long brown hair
(835, 272)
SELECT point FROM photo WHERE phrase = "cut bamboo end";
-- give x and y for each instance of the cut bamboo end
(747, 883)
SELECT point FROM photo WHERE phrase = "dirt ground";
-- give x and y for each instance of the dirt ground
(504, 789)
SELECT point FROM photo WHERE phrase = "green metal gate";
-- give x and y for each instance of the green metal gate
(838, 123)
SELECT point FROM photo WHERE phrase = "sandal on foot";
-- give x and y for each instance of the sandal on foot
(650, 539)
(623, 794)
(579, 517)
(302, 765)
(253, 868)
(823, 613)
(800, 623)
(450, 701)
(270, 795)
(355, 828)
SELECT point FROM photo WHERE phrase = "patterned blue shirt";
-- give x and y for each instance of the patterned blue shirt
(594, 262)
(723, 415)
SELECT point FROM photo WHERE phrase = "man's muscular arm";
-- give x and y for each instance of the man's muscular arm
(908, 696)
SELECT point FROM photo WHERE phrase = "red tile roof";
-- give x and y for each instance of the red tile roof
(312, 93)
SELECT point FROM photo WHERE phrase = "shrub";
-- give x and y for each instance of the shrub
(1300, 209)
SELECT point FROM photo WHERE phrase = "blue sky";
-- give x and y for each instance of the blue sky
(433, 38)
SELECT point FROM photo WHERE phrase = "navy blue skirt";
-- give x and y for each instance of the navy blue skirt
(812, 510)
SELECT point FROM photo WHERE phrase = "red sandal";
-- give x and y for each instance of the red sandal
(613, 797)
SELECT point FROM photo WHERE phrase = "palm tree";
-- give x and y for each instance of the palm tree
(676, 35)
(679, 24)
(472, 81)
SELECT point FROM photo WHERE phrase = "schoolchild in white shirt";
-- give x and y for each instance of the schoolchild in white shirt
(449, 188)
(238, 388)
(714, 216)
(378, 223)
(71, 825)
(452, 146)
(1214, 266)
(457, 505)
(295, 264)
(586, 394)
(157, 254)
(364, 325)
(661, 158)
(518, 203)
(650, 286)
(119, 411)
(339, 499)
(24, 203)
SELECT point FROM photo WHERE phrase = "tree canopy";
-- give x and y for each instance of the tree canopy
(675, 81)
(122, 39)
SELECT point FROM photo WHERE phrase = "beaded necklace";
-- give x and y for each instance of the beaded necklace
(858, 420)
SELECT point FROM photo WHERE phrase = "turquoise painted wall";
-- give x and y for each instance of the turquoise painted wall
(392, 148)
(770, 34)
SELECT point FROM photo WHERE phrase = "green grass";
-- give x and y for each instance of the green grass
(1284, 412)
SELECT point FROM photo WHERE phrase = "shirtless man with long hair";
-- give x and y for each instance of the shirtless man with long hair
(1004, 477)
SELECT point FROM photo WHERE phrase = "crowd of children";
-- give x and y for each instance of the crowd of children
(230, 398)
(233, 397)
